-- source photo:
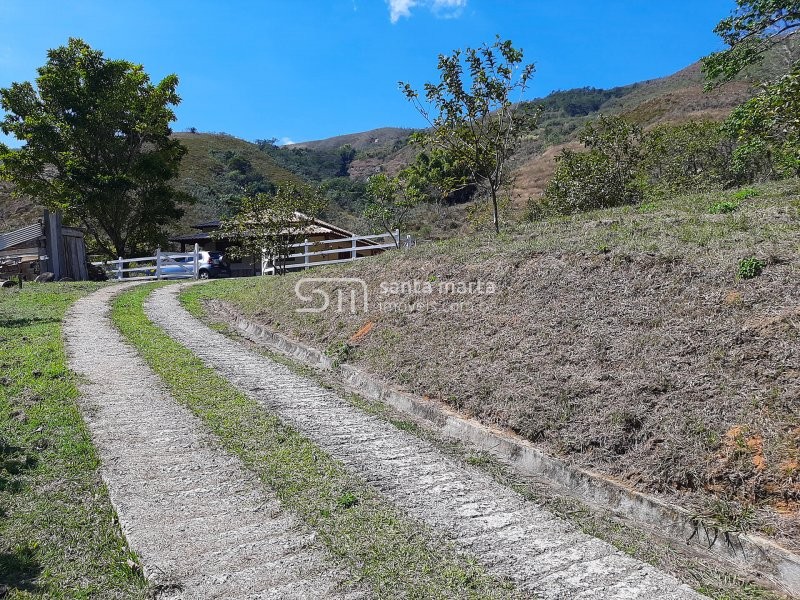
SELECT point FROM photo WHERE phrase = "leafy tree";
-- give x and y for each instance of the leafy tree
(752, 29)
(269, 224)
(97, 145)
(767, 128)
(473, 115)
(437, 177)
(693, 155)
(389, 201)
(609, 174)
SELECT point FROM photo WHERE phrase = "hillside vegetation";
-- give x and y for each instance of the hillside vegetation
(658, 343)
(218, 167)
(16, 212)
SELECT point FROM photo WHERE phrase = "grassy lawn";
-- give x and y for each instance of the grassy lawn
(59, 537)
(397, 557)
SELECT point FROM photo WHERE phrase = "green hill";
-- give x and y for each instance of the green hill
(218, 167)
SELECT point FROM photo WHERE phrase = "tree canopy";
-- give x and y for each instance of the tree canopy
(97, 146)
(473, 112)
(766, 128)
(752, 29)
(389, 201)
(268, 224)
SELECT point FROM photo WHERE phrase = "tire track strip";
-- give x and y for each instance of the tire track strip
(200, 522)
(513, 538)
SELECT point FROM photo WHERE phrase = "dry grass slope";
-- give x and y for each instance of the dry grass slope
(622, 340)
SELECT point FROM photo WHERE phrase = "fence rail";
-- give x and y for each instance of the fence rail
(186, 265)
(166, 265)
(356, 247)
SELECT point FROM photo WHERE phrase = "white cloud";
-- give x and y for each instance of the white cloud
(444, 9)
(448, 9)
(285, 141)
(400, 8)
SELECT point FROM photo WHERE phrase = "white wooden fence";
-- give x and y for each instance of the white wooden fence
(185, 265)
(164, 265)
(309, 257)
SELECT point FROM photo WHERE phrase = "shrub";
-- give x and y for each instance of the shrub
(694, 155)
(724, 206)
(744, 194)
(749, 268)
(767, 128)
(607, 175)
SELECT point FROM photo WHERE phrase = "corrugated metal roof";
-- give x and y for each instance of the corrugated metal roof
(20, 236)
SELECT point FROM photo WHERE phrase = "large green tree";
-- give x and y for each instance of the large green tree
(474, 113)
(767, 127)
(97, 145)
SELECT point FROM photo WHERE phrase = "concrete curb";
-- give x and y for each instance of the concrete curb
(751, 555)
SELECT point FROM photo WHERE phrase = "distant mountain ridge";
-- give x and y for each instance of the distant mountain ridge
(364, 140)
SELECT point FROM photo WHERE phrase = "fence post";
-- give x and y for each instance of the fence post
(306, 257)
(408, 240)
(119, 268)
(396, 238)
(158, 263)
(353, 246)
(196, 260)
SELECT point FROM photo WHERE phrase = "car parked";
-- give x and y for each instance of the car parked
(211, 264)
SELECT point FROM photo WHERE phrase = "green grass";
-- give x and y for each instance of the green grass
(59, 537)
(397, 557)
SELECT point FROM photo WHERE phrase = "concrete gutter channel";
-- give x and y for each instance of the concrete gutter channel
(751, 555)
(512, 538)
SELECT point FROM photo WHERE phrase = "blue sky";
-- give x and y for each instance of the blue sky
(309, 69)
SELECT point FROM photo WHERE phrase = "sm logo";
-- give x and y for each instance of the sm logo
(350, 294)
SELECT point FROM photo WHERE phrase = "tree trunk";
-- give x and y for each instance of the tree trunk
(495, 210)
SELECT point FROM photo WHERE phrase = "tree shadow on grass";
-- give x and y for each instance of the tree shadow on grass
(14, 460)
(19, 570)
(15, 322)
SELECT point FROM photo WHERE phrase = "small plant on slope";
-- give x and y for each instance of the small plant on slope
(749, 268)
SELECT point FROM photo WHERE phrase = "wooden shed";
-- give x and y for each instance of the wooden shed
(46, 246)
